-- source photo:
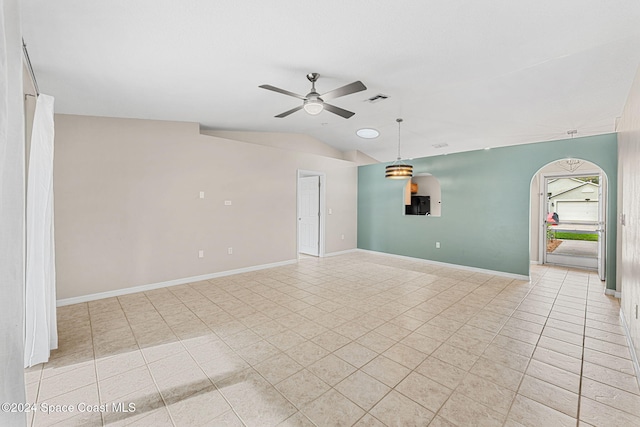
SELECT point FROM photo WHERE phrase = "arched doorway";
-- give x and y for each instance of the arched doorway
(568, 208)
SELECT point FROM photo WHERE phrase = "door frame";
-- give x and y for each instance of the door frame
(603, 202)
(301, 173)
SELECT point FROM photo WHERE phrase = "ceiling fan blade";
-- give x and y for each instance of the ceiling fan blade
(337, 110)
(344, 90)
(286, 113)
(282, 91)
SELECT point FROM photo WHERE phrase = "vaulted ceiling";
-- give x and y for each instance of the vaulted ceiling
(464, 75)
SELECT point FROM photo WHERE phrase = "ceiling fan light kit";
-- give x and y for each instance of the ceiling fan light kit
(398, 169)
(313, 106)
(314, 103)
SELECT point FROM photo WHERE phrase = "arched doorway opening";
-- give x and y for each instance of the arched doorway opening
(568, 215)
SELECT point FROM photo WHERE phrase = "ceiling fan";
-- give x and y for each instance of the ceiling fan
(313, 103)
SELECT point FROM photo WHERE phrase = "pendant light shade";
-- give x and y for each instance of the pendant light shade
(398, 169)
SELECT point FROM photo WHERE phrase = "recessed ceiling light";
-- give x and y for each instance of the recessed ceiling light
(367, 133)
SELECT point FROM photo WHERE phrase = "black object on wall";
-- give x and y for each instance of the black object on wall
(420, 205)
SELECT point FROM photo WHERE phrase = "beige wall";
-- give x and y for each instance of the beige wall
(629, 206)
(295, 142)
(359, 157)
(128, 212)
(286, 141)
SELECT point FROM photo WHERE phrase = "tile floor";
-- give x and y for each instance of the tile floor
(358, 339)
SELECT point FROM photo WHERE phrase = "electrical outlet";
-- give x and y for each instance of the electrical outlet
(230, 251)
(202, 194)
(330, 211)
(227, 202)
(437, 245)
(201, 254)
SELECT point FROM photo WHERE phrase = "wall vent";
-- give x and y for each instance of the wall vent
(377, 98)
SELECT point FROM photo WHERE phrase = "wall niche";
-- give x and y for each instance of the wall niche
(422, 196)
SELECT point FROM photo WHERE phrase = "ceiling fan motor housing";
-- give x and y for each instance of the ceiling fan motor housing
(313, 77)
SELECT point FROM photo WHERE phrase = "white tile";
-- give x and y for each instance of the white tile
(333, 338)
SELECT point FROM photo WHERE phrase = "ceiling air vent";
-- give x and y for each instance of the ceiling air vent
(377, 98)
(442, 145)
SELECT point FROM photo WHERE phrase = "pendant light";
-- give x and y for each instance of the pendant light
(398, 169)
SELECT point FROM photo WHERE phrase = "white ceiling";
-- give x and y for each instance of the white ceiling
(470, 74)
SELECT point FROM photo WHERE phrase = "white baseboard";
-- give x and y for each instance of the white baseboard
(632, 350)
(348, 251)
(446, 264)
(182, 281)
(613, 293)
(152, 286)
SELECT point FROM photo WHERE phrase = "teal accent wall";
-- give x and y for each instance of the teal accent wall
(485, 205)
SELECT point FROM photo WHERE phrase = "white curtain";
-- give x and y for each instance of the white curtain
(40, 316)
(12, 192)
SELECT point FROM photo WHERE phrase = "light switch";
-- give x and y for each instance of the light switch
(200, 254)
(330, 211)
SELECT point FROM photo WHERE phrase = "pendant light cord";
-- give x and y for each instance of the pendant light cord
(399, 121)
(398, 169)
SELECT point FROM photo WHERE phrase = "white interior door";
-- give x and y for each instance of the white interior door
(309, 215)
